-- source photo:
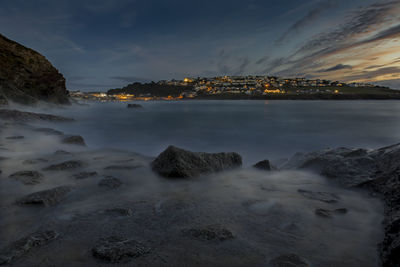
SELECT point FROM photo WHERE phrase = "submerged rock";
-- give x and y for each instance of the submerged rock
(121, 167)
(134, 106)
(16, 137)
(67, 165)
(210, 232)
(289, 260)
(321, 196)
(28, 177)
(323, 213)
(110, 182)
(22, 246)
(263, 165)
(74, 140)
(84, 175)
(46, 197)
(176, 162)
(116, 249)
(34, 161)
(16, 115)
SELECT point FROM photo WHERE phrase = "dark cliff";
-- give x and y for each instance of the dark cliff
(27, 77)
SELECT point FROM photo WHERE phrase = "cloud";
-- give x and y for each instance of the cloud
(262, 60)
(310, 17)
(336, 68)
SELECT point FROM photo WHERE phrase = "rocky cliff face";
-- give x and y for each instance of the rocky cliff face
(27, 77)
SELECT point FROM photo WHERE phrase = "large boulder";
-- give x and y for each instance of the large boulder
(180, 163)
(27, 77)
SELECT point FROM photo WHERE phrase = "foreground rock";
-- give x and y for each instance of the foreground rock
(134, 106)
(27, 77)
(84, 175)
(210, 232)
(27, 177)
(115, 249)
(22, 116)
(48, 131)
(22, 246)
(46, 197)
(74, 140)
(176, 162)
(376, 170)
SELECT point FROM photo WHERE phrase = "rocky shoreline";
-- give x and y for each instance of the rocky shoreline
(74, 202)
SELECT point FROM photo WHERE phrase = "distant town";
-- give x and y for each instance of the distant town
(241, 87)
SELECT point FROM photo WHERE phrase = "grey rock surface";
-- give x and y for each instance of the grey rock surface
(180, 163)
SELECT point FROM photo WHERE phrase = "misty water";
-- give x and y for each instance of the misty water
(264, 210)
(255, 129)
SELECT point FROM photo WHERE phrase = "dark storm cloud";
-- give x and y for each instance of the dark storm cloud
(310, 17)
(337, 67)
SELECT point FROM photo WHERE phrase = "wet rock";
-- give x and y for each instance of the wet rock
(74, 140)
(263, 165)
(3, 158)
(110, 182)
(323, 213)
(28, 177)
(67, 165)
(46, 197)
(34, 161)
(16, 137)
(211, 232)
(116, 249)
(176, 162)
(22, 246)
(134, 106)
(21, 116)
(289, 260)
(48, 131)
(321, 196)
(84, 175)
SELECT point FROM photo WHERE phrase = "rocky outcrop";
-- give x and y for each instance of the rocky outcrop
(179, 163)
(21, 116)
(376, 170)
(25, 244)
(27, 77)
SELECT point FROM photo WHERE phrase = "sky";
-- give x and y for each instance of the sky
(103, 44)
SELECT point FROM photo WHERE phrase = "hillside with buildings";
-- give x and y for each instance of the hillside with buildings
(244, 87)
